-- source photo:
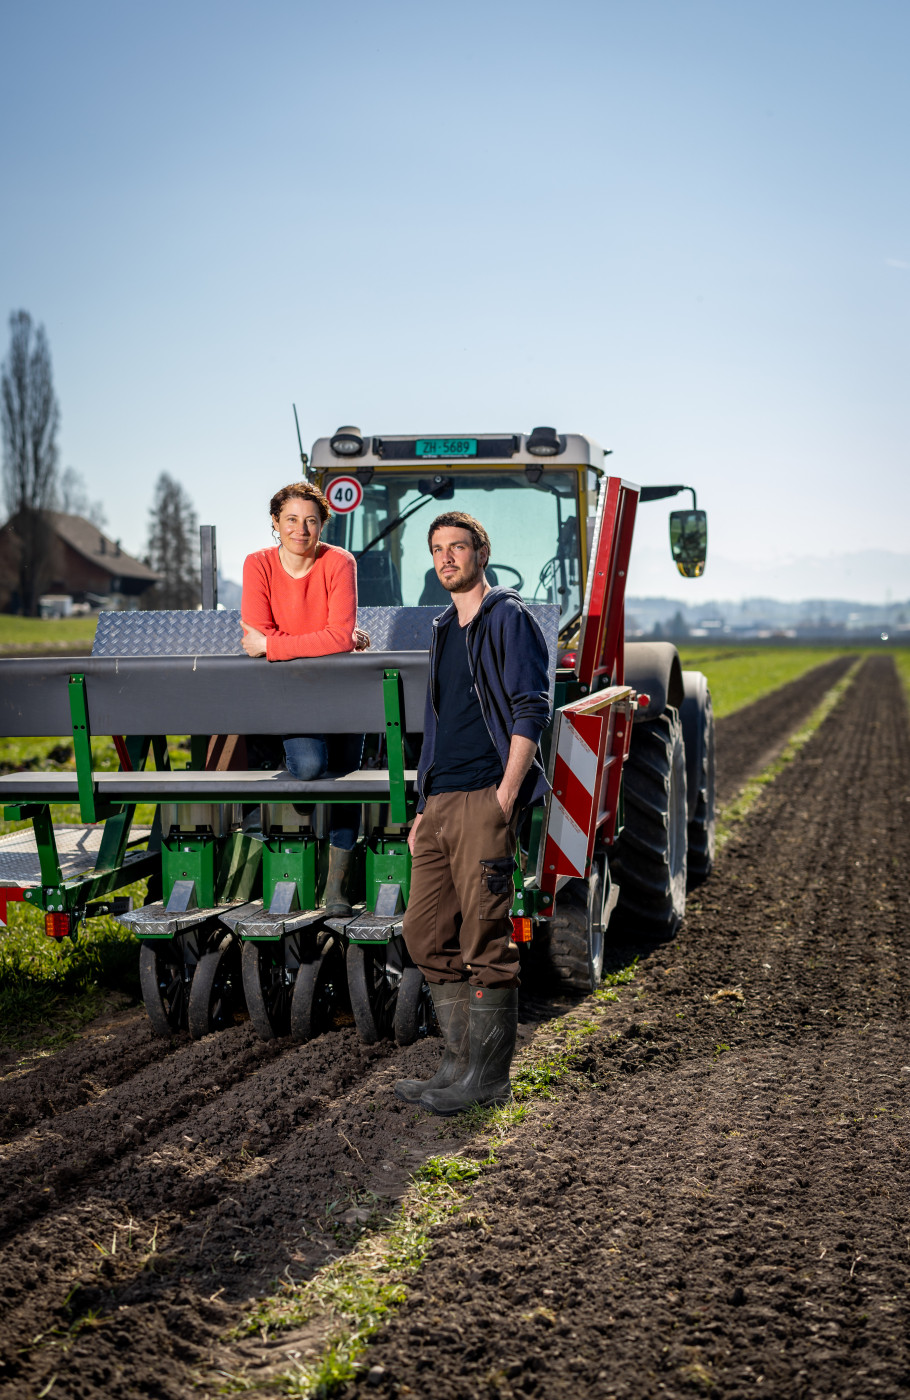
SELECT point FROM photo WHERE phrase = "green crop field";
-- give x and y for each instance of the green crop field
(739, 675)
(46, 634)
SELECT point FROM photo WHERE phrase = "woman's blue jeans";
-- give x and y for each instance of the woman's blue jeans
(312, 756)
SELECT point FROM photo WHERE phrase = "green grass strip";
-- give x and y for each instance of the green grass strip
(736, 811)
(350, 1298)
(902, 662)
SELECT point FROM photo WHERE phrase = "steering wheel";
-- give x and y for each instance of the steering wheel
(519, 578)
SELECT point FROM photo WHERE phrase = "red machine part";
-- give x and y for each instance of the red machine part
(590, 745)
(58, 925)
(522, 930)
(600, 650)
(9, 894)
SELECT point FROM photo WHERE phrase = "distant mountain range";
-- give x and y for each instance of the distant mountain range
(869, 577)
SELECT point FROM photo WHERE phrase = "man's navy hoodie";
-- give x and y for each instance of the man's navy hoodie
(509, 663)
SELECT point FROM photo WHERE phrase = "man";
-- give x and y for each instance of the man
(487, 705)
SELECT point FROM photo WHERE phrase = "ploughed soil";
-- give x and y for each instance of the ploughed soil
(714, 1202)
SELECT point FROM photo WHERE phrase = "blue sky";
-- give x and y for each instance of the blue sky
(680, 226)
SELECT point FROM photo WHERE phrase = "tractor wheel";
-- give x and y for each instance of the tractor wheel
(373, 993)
(414, 1014)
(317, 986)
(702, 827)
(165, 978)
(575, 937)
(269, 985)
(649, 856)
(216, 990)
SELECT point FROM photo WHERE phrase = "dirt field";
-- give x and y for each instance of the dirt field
(715, 1201)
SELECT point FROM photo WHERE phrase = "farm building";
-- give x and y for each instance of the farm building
(78, 561)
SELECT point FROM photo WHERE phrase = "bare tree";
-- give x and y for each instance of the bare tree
(173, 547)
(73, 499)
(31, 417)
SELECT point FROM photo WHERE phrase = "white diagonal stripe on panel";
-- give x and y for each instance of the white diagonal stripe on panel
(581, 760)
(568, 836)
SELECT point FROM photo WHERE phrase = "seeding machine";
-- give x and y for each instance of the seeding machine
(235, 857)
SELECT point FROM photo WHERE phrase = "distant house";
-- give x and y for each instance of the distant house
(81, 562)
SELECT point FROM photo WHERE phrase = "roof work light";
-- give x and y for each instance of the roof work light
(544, 442)
(347, 442)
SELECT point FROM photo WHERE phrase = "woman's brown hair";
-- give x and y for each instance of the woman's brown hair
(305, 491)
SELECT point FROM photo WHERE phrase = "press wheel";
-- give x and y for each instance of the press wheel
(215, 992)
(320, 978)
(414, 1014)
(373, 993)
(165, 979)
(269, 986)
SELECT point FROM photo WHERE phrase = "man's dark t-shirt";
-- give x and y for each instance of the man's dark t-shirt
(465, 758)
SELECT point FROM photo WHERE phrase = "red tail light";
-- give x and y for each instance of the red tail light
(58, 925)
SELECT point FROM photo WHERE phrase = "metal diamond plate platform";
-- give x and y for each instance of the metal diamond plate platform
(168, 634)
(214, 633)
(410, 629)
(77, 848)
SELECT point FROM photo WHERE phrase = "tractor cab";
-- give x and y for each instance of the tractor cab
(536, 497)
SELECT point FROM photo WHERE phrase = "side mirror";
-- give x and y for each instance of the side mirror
(689, 541)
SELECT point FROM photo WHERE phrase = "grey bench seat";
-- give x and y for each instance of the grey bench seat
(183, 785)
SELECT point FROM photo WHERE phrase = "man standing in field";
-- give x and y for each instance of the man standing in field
(487, 705)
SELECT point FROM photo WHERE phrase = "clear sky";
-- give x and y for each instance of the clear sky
(680, 226)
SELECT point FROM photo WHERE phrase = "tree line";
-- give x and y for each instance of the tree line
(34, 488)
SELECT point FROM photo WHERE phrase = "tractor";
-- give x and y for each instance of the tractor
(234, 921)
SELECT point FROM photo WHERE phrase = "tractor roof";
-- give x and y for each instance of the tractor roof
(497, 449)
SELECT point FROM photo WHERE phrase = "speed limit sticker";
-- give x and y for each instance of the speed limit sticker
(344, 493)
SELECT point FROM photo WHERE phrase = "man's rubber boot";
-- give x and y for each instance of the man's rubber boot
(336, 902)
(451, 1002)
(493, 1025)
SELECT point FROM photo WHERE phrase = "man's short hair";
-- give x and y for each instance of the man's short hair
(460, 520)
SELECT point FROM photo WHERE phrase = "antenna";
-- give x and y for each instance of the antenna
(303, 457)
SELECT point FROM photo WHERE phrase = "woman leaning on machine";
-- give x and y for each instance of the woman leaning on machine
(300, 599)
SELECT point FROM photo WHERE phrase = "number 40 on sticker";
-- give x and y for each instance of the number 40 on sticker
(344, 493)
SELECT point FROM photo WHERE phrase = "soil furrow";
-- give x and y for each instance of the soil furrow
(751, 738)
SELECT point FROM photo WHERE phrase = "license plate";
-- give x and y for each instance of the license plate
(446, 447)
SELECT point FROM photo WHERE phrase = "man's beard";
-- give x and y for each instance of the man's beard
(462, 583)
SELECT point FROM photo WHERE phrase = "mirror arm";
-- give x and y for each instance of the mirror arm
(659, 493)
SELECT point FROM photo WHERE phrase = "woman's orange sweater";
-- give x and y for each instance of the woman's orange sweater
(310, 616)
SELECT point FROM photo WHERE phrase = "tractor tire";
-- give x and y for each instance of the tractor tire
(649, 857)
(574, 940)
(703, 822)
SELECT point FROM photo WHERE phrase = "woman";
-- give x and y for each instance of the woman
(300, 599)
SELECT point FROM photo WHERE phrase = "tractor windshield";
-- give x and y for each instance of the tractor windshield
(533, 528)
